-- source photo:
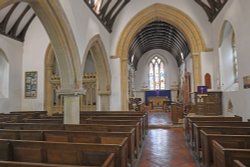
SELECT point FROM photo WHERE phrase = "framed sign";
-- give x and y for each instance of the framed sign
(30, 84)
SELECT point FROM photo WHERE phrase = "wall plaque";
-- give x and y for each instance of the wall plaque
(30, 84)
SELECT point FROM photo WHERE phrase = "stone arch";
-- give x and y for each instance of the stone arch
(55, 22)
(48, 87)
(167, 14)
(99, 55)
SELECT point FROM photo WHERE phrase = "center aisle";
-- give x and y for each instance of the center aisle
(166, 148)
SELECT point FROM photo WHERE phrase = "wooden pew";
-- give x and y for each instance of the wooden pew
(73, 136)
(83, 120)
(30, 126)
(76, 127)
(232, 130)
(46, 125)
(225, 157)
(63, 153)
(31, 114)
(113, 113)
(136, 124)
(108, 128)
(39, 120)
(207, 146)
(192, 119)
(214, 123)
(133, 140)
(109, 162)
(140, 128)
(238, 163)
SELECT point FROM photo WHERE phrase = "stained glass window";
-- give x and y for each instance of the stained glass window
(156, 74)
(235, 60)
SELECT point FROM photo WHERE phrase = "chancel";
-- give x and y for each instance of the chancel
(123, 83)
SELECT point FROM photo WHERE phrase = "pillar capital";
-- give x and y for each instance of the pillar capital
(71, 92)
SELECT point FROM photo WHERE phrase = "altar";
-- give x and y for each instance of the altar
(158, 99)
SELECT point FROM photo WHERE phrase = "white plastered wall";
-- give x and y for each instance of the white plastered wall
(34, 49)
(171, 68)
(190, 8)
(141, 75)
(207, 61)
(85, 26)
(236, 12)
(13, 51)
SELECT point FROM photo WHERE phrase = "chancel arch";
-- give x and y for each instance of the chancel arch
(98, 53)
(167, 14)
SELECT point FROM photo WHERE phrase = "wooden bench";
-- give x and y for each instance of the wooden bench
(76, 127)
(113, 113)
(238, 163)
(192, 119)
(109, 162)
(83, 120)
(137, 124)
(207, 146)
(225, 157)
(232, 130)
(63, 153)
(214, 123)
(42, 122)
(134, 138)
(73, 136)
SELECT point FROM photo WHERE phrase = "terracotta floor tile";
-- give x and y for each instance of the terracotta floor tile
(165, 147)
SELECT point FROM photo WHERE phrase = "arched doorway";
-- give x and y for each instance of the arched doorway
(166, 14)
(103, 75)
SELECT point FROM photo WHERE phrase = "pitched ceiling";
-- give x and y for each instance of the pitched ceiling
(158, 35)
(15, 20)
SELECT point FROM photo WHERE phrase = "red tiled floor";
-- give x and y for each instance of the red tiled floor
(165, 148)
(159, 118)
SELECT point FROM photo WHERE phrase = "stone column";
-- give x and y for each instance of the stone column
(71, 109)
(104, 101)
(71, 105)
(124, 84)
(196, 69)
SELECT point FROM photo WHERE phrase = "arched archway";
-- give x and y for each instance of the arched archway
(167, 14)
(99, 55)
(52, 17)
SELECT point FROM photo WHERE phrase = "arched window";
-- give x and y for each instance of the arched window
(156, 74)
(4, 75)
(235, 59)
(228, 59)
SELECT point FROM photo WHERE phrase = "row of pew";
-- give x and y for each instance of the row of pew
(218, 141)
(103, 139)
